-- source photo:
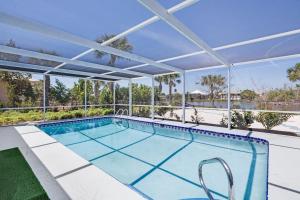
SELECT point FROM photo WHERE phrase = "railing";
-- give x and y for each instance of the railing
(122, 111)
(227, 170)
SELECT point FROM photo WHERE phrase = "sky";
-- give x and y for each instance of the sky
(217, 22)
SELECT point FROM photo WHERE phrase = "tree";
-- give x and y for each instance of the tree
(248, 95)
(271, 119)
(77, 92)
(106, 95)
(294, 76)
(214, 83)
(160, 80)
(47, 63)
(19, 86)
(122, 94)
(121, 44)
(278, 95)
(97, 85)
(60, 93)
(38, 88)
(294, 73)
(171, 80)
(141, 94)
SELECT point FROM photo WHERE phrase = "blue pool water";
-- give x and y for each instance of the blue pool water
(162, 161)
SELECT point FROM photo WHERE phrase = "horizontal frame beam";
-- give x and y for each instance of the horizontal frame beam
(44, 56)
(135, 28)
(279, 58)
(44, 68)
(68, 37)
(160, 11)
(237, 44)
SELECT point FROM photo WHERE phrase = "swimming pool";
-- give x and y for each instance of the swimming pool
(161, 161)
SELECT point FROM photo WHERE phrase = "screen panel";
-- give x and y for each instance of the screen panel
(221, 22)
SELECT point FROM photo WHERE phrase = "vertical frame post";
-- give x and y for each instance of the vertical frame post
(152, 98)
(85, 98)
(183, 97)
(44, 98)
(114, 97)
(229, 96)
(130, 97)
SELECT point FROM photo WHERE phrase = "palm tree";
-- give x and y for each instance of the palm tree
(97, 85)
(294, 76)
(214, 83)
(121, 44)
(294, 73)
(160, 80)
(171, 80)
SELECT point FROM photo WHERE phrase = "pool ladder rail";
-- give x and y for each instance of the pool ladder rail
(122, 111)
(227, 170)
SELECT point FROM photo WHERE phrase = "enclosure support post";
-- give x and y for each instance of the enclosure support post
(114, 97)
(229, 96)
(152, 98)
(183, 97)
(85, 96)
(44, 98)
(130, 97)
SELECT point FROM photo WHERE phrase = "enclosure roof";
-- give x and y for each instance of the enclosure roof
(86, 39)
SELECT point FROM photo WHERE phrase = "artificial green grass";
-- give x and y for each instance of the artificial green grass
(17, 180)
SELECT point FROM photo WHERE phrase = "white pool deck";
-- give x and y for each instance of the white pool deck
(65, 175)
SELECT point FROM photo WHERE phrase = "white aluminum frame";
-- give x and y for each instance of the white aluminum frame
(158, 10)
(85, 98)
(34, 54)
(228, 46)
(135, 28)
(160, 13)
(64, 36)
(152, 98)
(68, 71)
(130, 97)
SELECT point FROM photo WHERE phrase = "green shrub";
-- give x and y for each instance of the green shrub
(78, 113)
(52, 116)
(196, 118)
(107, 111)
(13, 117)
(94, 112)
(66, 115)
(271, 119)
(239, 120)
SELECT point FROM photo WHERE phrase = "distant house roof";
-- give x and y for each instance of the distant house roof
(199, 92)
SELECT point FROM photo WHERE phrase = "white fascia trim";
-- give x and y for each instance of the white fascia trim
(135, 28)
(33, 54)
(64, 36)
(157, 9)
(68, 71)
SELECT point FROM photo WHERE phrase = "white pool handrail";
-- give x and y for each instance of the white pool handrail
(120, 110)
(125, 110)
(228, 172)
